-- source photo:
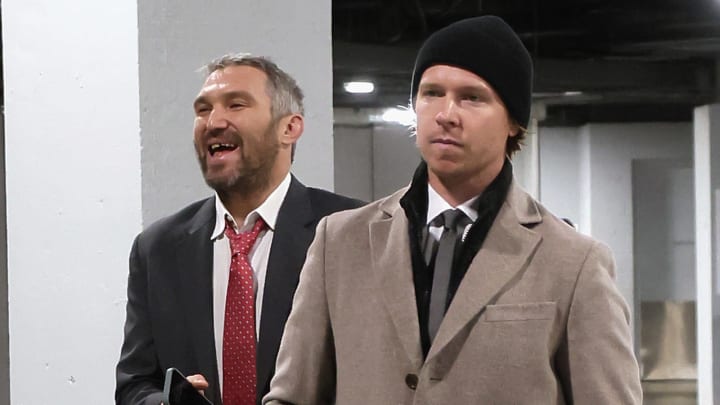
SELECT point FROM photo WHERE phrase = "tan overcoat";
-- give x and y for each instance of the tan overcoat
(537, 318)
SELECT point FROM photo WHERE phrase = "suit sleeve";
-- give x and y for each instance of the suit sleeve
(598, 363)
(305, 368)
(139, 378)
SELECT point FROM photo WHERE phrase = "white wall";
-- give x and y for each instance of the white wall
(4, 335)
(664, 229)
(373, 161)
(395, 159)
(559, 173)
(73, 192)
(706, 130)
(613, 147)
(526, 161)
(585, 191)
(177, 40)
(586, 174)
(353, 149)
(629, 186)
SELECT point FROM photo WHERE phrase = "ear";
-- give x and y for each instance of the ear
(292, 127)
(514, 128)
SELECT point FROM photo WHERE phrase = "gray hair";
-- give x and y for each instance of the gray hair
(285, 94)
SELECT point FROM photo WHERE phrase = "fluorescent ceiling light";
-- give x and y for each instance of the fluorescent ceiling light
(572, 93)
(359, 87)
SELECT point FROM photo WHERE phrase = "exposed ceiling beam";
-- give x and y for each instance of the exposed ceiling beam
(604, 81)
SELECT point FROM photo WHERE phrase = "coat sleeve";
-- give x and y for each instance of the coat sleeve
(305, 368)
(139, 378)
(597, 362)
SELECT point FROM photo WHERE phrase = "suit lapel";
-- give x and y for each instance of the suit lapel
(390, 251)
(504, 254)
(194, 256)
(294, 231)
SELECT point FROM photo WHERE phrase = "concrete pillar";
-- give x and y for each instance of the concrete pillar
(354, 169)
(707, 244)
(73, 192)
(4, 335)
(560, 171)
(98, 142)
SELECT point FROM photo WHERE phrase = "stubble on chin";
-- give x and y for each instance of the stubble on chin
(242, 180)
(249, 183)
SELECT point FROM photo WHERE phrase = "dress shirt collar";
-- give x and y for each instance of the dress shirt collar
(437, 205)
(416, 200)
(268, 210)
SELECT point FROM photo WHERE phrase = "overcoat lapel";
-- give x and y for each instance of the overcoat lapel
(294, 231)
(389, 246)
(504, 255)
(194, 257)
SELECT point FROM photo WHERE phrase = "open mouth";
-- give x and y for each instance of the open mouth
(221, 148)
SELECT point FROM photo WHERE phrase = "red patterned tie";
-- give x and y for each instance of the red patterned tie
(239, 332)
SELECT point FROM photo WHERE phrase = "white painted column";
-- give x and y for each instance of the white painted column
(707, 226)
(353, 145)
(4, 335)
(177, 39)
(560, 171)
(73, 193)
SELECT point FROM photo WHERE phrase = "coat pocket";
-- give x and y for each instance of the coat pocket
(520, 312)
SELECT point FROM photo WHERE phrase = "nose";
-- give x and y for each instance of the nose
(217, 119)
(448, 117)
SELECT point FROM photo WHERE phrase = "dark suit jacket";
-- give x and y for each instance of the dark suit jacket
(169, 310)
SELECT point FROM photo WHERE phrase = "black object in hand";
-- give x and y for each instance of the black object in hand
(179, 391)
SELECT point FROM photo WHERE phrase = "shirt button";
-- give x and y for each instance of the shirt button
(411, 380)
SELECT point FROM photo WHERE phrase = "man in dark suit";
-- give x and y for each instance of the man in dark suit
(192, 291)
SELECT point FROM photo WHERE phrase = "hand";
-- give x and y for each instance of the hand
(198, 382)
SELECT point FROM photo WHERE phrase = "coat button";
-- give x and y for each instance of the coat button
(412, 381)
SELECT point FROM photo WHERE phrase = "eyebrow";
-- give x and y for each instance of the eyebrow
(476, 88)
(482, 88)
(203, 99)
(428, 84)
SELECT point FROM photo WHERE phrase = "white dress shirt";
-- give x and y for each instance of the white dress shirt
(436, 206)
(258, 256)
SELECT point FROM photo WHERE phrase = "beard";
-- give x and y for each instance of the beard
(254, 168)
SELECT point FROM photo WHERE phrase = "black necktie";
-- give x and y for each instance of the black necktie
(454, 223)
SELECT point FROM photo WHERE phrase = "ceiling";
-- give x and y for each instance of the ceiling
(595, 61)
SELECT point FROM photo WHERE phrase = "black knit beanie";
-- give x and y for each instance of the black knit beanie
(488, 47)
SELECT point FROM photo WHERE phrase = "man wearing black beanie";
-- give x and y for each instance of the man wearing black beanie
(460, 288)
